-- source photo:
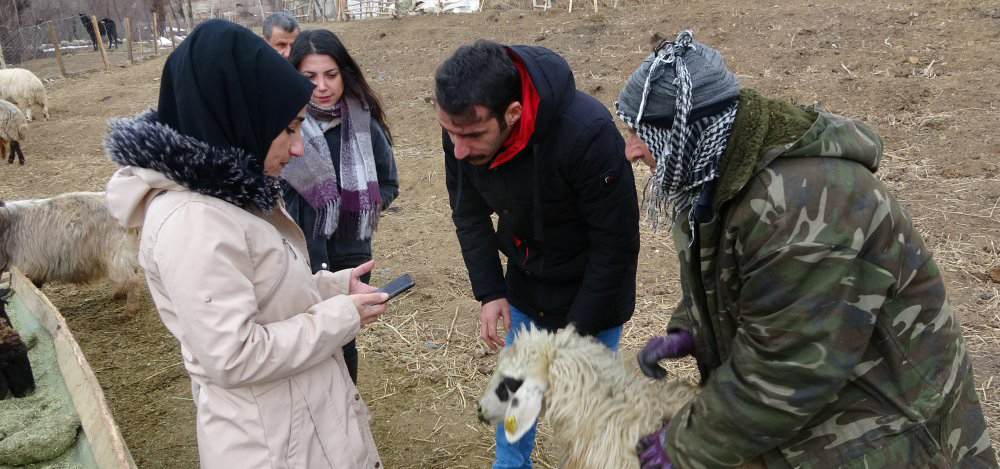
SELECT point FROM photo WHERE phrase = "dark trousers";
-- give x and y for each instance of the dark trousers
(351, 348)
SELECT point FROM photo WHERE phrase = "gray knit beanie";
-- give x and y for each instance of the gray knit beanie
(711, 82)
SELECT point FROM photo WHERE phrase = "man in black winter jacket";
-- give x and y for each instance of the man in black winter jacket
(520, 141)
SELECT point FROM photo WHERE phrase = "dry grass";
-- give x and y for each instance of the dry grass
(422, 367)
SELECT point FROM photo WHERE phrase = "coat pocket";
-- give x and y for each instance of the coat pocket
(337, 415)
(283, 416)
(364, 425)
(885, 449)
(288, 252)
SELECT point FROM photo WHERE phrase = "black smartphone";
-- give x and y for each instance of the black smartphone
(397, 286)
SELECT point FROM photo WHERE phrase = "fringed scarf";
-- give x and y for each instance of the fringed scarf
(349, 209)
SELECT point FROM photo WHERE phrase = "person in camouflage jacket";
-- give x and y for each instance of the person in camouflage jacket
(817, 316)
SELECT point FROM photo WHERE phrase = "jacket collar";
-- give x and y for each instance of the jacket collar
(766, 129)
(760, 124)
(225, 173)
(525, 126)
(547, 89)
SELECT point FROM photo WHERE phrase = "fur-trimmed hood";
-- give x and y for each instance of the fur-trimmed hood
(229, 174)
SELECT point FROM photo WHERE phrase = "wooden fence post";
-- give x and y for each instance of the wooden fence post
(55, 47)
(595, 6)
(156, 36)
(128, 38)
(187, 19)
(170, 32)
(100, 42)
(261, 6)
(320, 10)
(3, 63)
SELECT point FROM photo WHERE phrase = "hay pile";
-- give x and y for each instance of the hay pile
(39, 430)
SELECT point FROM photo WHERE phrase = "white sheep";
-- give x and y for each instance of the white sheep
(598, 410)
(70, 238)
(24, 90)
(13, 129)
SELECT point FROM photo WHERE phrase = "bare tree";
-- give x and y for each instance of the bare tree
(11, 12)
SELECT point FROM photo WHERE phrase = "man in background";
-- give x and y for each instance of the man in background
(280, 30)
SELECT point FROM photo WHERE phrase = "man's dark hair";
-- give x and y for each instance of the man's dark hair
(478, 75)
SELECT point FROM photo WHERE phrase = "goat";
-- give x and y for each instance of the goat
(89, 27)
(70, 238)
(598, 410)
(106, 28)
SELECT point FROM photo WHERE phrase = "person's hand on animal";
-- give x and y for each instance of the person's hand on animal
(652, 454)
(357, 286)
(489, 319)
(673, 345)
(370, 305)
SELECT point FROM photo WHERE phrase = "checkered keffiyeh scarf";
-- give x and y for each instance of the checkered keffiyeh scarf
(687, 154)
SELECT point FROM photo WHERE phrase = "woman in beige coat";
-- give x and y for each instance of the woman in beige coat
(260, 335)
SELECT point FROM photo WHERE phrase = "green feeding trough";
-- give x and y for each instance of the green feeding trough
(64, 423)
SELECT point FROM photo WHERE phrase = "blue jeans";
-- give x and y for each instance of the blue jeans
(518, 455)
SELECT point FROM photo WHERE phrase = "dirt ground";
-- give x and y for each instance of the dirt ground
(924, 74)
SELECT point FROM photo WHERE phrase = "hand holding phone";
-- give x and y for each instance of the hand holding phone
(397, 286)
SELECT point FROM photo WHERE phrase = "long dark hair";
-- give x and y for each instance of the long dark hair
(321, 41)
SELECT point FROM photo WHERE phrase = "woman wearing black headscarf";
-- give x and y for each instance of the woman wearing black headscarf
(260, 335)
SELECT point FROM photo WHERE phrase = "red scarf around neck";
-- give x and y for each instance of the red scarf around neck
(525, 126)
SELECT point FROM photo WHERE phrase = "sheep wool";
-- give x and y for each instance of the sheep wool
(598, 410)
(24, 90)
(71, 238)
(13, 129)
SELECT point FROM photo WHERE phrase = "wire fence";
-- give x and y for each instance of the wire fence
(65, 46)
(77, 44)
(585, 6)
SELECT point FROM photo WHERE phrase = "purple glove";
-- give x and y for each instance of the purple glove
(673, 345)
(652, 454)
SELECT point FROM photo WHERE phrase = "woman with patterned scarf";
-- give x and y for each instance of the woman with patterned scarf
(347, 175)
(818, 320)
(260, 334)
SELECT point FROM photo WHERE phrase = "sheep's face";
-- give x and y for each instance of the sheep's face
(516, 390)
(493, 404)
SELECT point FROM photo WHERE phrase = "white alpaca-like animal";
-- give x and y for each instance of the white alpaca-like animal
(24, 90)
(598, 410)
(70, 238)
